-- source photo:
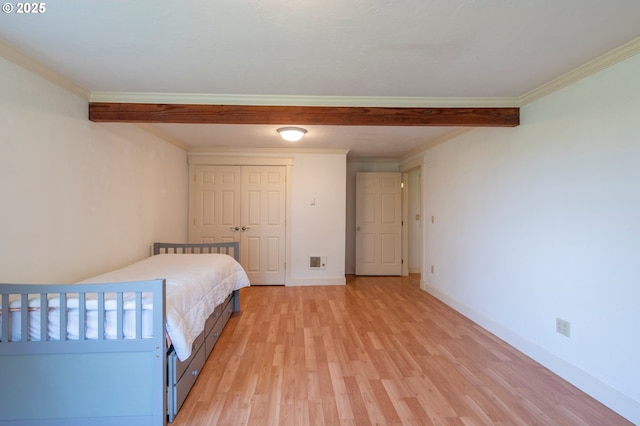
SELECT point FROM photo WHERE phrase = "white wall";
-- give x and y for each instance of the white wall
(79, 198)
(543, 221)
(317, 230)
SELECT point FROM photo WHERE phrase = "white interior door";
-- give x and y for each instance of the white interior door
(262, 244)
(378, 223)
(245, 204)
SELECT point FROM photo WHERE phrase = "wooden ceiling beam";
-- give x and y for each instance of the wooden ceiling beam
(302, 115)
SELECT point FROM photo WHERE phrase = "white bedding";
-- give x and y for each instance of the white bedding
(195, 285)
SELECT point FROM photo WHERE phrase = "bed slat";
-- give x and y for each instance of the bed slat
(63, 316)
(82, 315)
(100, 316)
(7, 318)
(119, 317)
(24, 319)
(44, 307)
(138, 315)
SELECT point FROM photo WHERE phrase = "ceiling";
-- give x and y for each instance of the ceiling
(426, 53)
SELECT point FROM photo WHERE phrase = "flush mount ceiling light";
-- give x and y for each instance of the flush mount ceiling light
(292, 134)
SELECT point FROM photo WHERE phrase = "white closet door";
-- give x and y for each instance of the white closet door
(214, 204)
(245, 204)
(378, 224)
(262, 244)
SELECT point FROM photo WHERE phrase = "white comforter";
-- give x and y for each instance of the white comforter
(196, 284)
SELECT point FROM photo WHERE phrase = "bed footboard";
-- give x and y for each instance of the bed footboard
(59, 365)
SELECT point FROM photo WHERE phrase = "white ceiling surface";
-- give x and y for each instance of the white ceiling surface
(320, 48)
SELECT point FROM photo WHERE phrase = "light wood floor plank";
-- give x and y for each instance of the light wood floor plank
(378, 351)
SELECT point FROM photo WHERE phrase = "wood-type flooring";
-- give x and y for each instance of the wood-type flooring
(378, 351)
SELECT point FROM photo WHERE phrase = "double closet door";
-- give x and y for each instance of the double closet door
(245, 204)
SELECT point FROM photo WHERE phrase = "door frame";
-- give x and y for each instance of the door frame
(416, 164)
(405, 224)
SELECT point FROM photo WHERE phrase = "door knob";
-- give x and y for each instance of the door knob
(234, 229)
(358, 228)
(244, 228)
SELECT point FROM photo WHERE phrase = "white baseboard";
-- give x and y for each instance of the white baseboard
(615, 400)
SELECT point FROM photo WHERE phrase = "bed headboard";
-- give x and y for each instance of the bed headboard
(231, 248)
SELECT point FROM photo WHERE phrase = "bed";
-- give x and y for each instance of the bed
(121, 348)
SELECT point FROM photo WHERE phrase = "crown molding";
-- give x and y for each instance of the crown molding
(610, 58)
(239, 158)
(291, 100)
(227, 151)
(381, 160)
(12, 54)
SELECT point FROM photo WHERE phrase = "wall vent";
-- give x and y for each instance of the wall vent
(318, 262)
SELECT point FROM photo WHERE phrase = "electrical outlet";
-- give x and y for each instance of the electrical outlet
(563, 327)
